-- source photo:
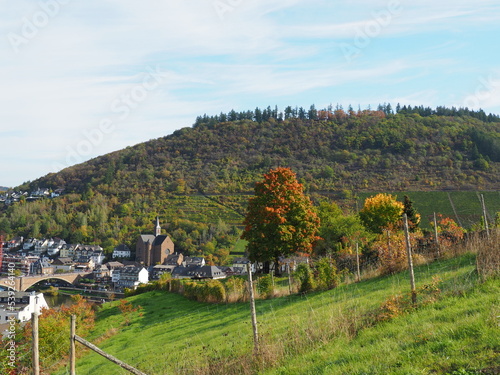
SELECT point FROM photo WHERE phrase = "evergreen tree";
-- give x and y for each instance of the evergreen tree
(312, 114)
(258, 115)
(411, 213)
(302, 113)
(232, 115)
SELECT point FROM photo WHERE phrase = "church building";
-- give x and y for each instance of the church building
(152, 249)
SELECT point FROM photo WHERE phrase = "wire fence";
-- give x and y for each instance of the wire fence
(340, 312)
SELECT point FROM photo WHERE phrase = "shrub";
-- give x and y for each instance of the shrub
(190, 290)
(488, 256)
(265, 286)
(392, 252)
(213, 291)
(53, 325)
(402, 304)
(235, 289)
(327, 274)
(176, 286)
(450, 233)
(127, 309)
(304, 274)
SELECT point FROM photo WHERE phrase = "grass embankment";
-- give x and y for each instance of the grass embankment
(333, 332)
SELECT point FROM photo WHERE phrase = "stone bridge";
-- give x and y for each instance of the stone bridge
(21, 283)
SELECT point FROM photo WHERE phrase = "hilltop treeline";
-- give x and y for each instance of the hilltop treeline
(312, 113)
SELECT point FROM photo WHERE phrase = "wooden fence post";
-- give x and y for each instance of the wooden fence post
(357, 261)
(389, 253)
(485, 217)
(72, 349)
(252, 309)
(36, 353)
(109, 357)
(410, 261)
(289, 278)
(436, 236)
(75, 338)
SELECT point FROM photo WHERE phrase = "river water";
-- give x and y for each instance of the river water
(58, 300)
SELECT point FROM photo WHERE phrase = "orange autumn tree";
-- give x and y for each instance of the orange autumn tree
(391, 250)
(449, 231)
(280, 219)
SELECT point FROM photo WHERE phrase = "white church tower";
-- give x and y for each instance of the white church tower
(158, 228)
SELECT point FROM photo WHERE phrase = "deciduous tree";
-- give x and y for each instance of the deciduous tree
(381, 211)
(338, 230)
(280, 219)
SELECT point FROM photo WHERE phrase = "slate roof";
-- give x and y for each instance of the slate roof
(174, 259)
(63, 261)
(114, 265)
(147, 238)
(130, 270)
(198, 272)
(159, 239)
(122, 247)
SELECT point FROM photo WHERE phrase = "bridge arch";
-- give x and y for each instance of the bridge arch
(22, 283)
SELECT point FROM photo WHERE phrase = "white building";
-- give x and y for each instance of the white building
(131, 277)
(98, 257)
(20, 305)
(121, 251)
(240, 265)
(55, 246)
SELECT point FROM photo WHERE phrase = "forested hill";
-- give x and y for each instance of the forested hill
(355, 151)
(198, 179)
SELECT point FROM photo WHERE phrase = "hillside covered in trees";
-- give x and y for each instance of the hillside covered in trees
(364, 150)
(198, 179)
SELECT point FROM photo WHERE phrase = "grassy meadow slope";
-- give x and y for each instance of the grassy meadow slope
(340, 331)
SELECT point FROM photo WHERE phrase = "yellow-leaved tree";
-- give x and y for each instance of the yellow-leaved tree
(381, 212)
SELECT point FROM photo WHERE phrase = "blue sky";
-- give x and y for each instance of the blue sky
(83, 78)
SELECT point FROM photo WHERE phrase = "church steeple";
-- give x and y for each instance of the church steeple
(158, 228)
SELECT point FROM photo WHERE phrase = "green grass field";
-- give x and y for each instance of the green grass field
(330, 332)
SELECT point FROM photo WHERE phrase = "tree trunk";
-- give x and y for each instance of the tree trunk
(266, 267)
(277, 271)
